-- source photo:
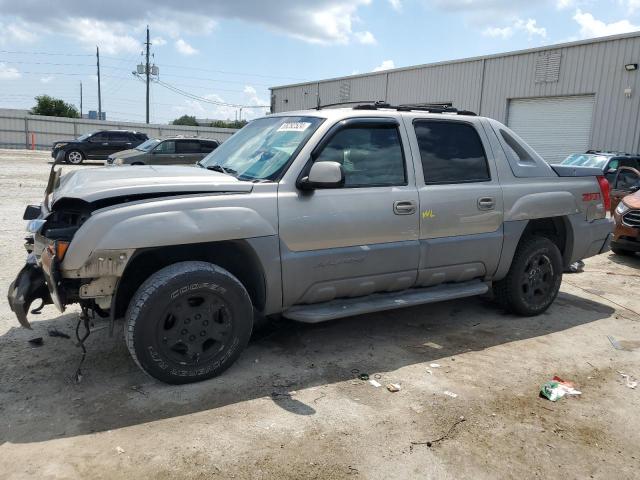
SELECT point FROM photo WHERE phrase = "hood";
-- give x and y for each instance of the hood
(93, 184)
(633, 200)
(127, 153)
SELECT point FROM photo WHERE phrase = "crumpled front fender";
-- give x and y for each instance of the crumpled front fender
(28, 286)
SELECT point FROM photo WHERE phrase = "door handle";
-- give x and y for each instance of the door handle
(404, 207)
(486, 203)
(105, 144)
(180, 156)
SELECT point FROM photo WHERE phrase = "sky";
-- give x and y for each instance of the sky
(215, 56)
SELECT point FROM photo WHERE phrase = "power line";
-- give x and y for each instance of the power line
(205, 100)
(47, 53)
(226, 72)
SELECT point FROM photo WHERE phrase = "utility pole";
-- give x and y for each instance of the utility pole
(80, 99)
(99, 93)
(147, 71)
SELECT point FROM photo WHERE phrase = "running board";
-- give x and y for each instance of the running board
(377, 302)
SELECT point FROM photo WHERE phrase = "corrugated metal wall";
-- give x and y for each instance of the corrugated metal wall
(16, 131)
(486, 85)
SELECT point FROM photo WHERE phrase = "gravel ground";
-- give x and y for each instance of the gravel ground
(292, 406)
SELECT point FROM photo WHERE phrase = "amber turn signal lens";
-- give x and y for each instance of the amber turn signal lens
(59, 249)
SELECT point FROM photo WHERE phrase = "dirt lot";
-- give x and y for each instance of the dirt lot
(292, 407)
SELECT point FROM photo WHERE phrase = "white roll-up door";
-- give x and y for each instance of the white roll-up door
(553, 126)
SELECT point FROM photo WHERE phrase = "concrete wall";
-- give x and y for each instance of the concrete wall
(486, 85)
(16, 130)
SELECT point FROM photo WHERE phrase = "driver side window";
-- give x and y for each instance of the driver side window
(370, 156)
(168, 146)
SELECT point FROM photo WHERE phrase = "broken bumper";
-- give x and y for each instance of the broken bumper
(29, 285)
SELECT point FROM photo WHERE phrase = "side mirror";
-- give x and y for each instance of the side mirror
(323, 175)
(612, 170)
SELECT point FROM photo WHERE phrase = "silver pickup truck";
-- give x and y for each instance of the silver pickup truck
(314, 215)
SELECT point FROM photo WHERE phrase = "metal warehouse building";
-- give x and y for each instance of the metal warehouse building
(563, 98)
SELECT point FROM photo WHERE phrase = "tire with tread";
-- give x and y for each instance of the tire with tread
(509, 292)
(146, 317)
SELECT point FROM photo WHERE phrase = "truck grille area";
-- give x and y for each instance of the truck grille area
(631, 218)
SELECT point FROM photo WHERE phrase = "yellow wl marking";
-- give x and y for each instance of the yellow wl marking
(428, 214)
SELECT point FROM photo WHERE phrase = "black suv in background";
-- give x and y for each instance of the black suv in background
(97, 145)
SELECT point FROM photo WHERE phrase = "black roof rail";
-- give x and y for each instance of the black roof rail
(423, 107)
(430, 108)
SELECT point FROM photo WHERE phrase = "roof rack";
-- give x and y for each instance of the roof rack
(426, 107)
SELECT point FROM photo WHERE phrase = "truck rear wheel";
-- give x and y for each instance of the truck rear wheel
(534, 277)
(188, 322)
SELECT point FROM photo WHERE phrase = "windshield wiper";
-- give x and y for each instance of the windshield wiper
(221, 169)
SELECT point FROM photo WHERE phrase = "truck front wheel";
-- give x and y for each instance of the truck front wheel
(534, 278)
(188, 322)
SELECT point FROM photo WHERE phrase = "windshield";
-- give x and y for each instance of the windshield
(262, 149)
(585, 160)
(148, 145)
(85, 136)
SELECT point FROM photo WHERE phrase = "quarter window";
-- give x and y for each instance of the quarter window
(451, 152)
(370, 156)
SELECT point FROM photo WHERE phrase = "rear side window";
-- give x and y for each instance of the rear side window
(371, 156)
(119, 137)
(207, 146)
(188, 146)
(451, 152)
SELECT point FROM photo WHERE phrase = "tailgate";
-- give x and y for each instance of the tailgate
(571, 171)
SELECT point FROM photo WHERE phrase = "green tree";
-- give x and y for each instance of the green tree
(229, 123)
(186, 120)
(54, 107)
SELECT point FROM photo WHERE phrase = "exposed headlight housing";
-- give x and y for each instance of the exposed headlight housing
(118, 161)
(34, 226)
(58, 145)
(622, 208)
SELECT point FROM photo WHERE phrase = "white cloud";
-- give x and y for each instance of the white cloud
(47, 79)
(366, 38)
(497, 32)
(184, 48)
(314, 21)
(529, 26)
(564, 4)
(591, 27)
(112, 38)
(396, 5)
(8, 73)
(158, 41)
(632, 6)
(385, 65)
(19, 33)
(532, 28)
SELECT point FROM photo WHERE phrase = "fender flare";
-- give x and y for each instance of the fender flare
(147, 225)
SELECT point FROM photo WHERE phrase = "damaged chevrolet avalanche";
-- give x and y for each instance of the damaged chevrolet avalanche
(313, 215)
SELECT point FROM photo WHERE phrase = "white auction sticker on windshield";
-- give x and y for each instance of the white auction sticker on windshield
(294, 127)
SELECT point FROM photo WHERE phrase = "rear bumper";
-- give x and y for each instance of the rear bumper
(590, 238)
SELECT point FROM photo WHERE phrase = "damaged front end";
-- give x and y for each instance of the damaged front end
(29, 285)
(49, 237)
